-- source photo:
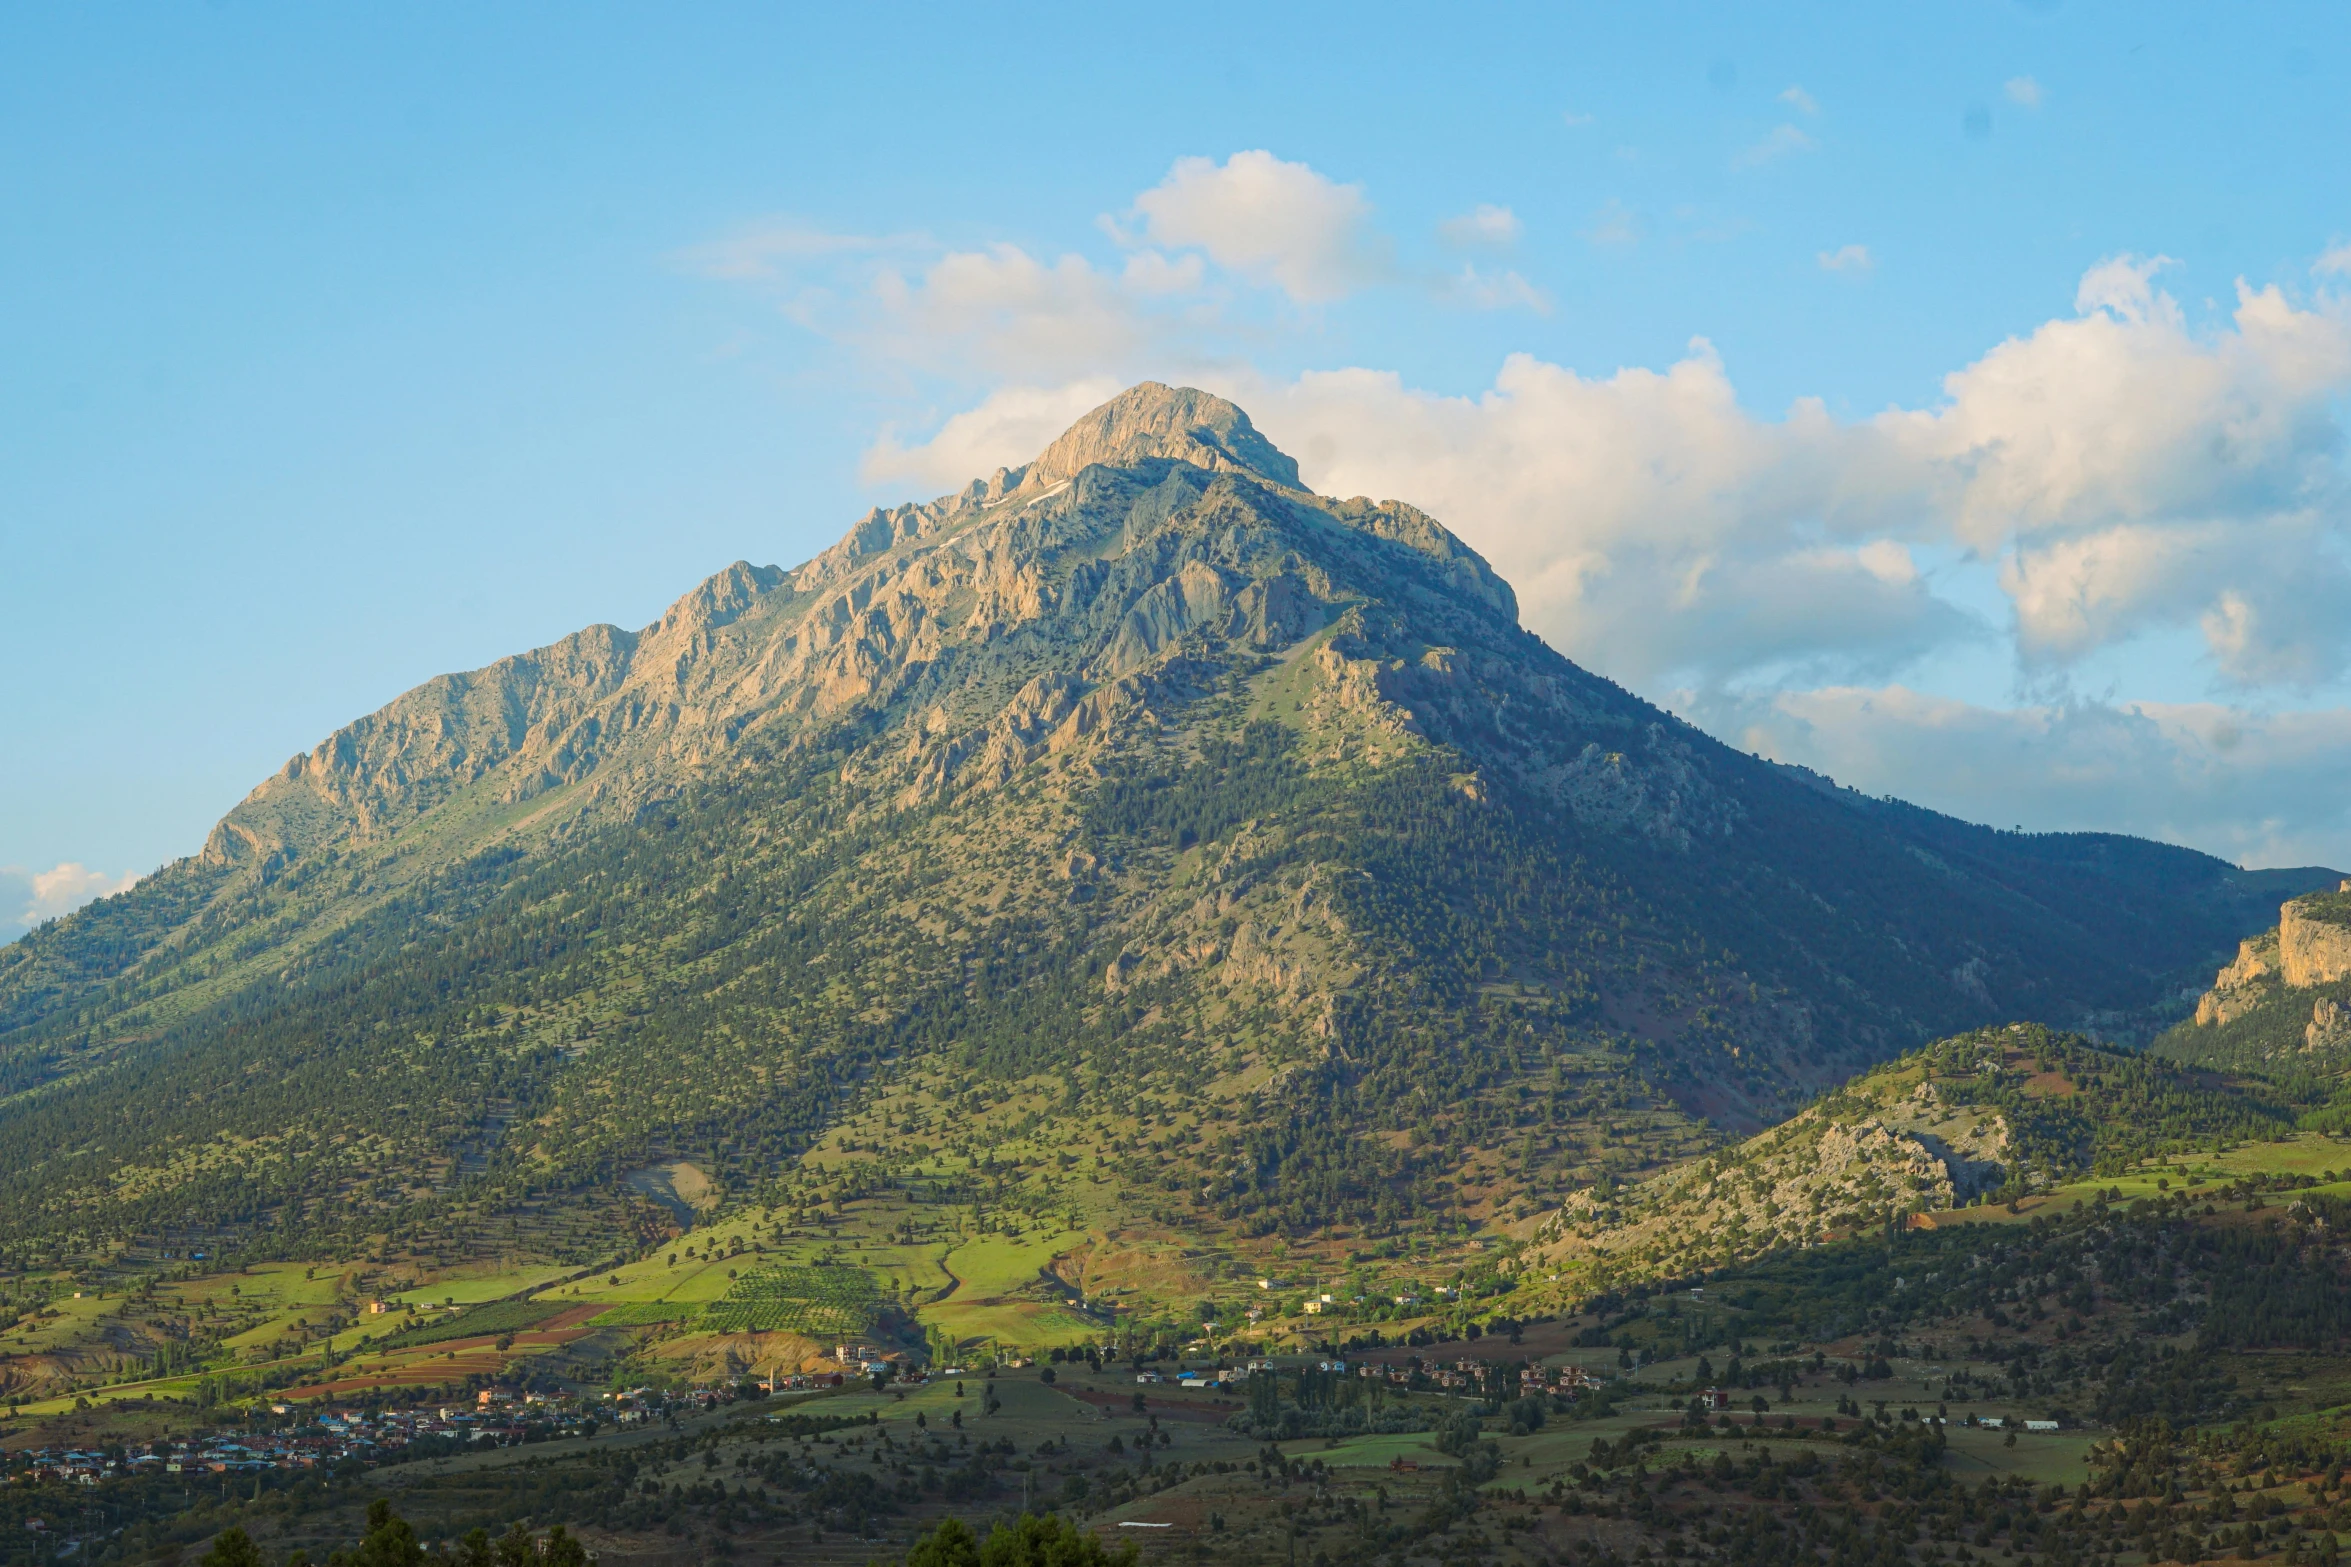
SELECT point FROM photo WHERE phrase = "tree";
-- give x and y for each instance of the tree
(232, 1547)
(949, 1545)
(1028, 1541)
(389, 1542)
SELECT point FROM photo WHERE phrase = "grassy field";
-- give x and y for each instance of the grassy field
(467, 1287)
(2306, 1153)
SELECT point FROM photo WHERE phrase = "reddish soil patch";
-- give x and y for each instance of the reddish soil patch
(572, 1317)
(543, 1336)
(344, 1386)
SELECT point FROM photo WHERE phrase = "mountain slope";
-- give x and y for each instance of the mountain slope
(1995, 1114)
(1141, 775)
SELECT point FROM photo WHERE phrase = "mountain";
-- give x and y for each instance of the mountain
(1137, 804)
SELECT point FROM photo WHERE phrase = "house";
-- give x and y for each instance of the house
(1716, 1398)
(2040, 1425)
(1314, 1308)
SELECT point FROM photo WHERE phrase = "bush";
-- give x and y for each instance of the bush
(1028, 1541)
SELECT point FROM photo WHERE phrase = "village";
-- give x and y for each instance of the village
(281, 1436)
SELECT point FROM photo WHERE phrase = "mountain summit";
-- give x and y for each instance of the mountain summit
(1151, 420)
(1141, 777)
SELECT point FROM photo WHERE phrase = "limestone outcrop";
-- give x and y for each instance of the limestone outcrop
(2314, 939)
(2310, 949)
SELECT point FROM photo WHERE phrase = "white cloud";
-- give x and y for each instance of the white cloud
(1002, 313)
(1010, 426)
(1496, 291)
(1573, 120)
(1269, 220)
(1783, 140)
(2125, 473)
(1484, 224)
(2124, 414)
(2024, 92)
(45, 895)
(1150, 273)
(2336, 262)
(1801, 101)
(1847, 258)
(1652, 528)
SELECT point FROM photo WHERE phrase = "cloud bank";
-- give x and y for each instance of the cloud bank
(2114, 480)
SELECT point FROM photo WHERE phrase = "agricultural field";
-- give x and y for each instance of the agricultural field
(815, 1300)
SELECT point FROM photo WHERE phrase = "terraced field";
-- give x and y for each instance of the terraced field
(815, 1299)
(506, 1316)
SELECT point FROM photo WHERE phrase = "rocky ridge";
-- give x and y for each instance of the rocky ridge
(1903, 1144)
(1995, 1115)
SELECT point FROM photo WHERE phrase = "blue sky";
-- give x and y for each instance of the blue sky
(1947, 396)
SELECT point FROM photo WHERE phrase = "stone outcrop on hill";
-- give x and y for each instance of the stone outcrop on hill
(1907, 1147)
(2309, 949)
(2286, 994)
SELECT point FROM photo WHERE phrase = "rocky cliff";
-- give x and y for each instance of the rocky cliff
(2285, 990)
(2314, 939)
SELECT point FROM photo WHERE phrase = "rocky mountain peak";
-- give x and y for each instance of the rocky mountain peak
(1151, 420)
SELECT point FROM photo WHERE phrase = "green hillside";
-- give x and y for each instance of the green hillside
(1987, 1122)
